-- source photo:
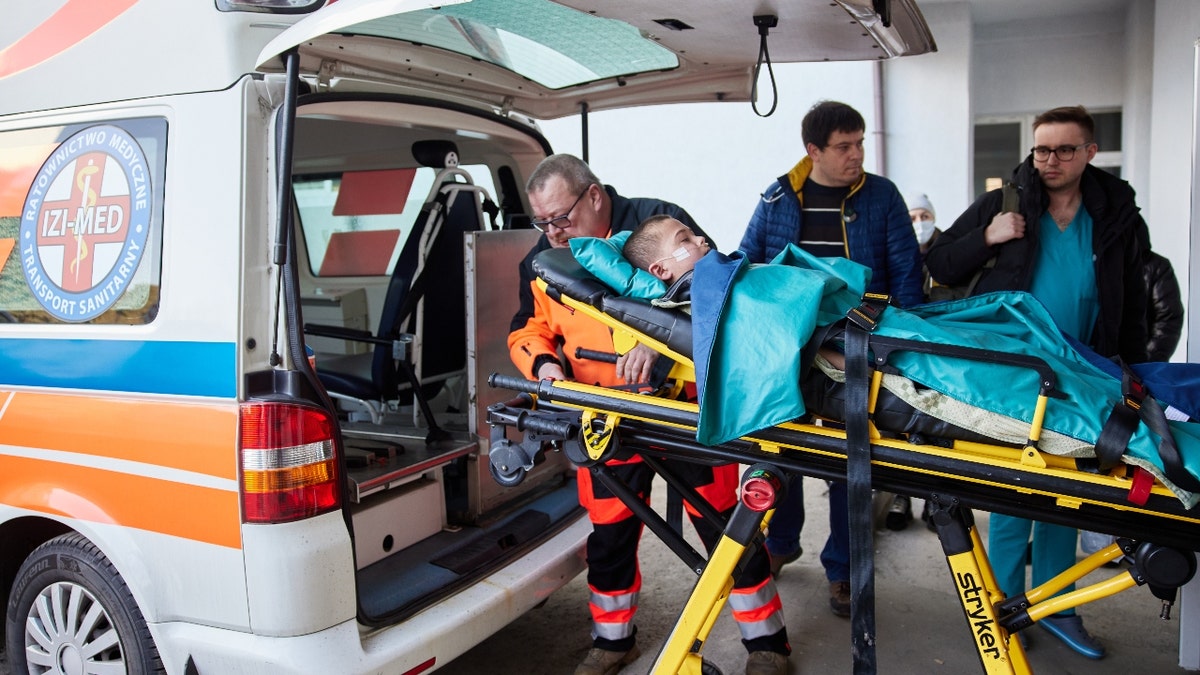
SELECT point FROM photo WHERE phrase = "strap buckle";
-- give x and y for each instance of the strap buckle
(866, 315)
(1133, 392)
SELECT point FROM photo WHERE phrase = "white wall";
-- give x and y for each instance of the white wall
(714, 159)
(928, 115)
(1035, 65)
(1139, 83)
(1176, 27)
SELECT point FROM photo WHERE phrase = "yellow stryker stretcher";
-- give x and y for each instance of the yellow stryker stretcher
(594, 424)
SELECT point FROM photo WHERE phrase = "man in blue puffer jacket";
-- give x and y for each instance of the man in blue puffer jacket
(871, 225)
(830, 207)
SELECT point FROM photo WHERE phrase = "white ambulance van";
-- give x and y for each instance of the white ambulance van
(257, 260)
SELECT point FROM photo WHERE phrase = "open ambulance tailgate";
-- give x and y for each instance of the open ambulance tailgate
(546, 58)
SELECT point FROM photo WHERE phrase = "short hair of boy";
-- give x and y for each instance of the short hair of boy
(644, 242)
(826, 117)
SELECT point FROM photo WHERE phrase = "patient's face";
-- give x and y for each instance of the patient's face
(679, 249)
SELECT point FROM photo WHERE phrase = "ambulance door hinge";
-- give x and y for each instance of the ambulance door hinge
(506, 106)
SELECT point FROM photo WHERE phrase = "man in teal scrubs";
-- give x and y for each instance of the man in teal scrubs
(1077, 244)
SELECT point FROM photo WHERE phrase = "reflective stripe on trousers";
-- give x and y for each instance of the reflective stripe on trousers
(757, 610)
(612, 613)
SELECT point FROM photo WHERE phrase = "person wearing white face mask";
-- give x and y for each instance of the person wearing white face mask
(924, 220)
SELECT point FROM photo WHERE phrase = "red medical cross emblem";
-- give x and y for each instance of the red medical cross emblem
(72, 223)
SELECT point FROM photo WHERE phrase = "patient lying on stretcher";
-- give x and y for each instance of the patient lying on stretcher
(751, 324)
(669, 250)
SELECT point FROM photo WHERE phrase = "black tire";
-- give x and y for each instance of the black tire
(67, 602)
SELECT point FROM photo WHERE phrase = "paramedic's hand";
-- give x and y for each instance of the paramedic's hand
(634, 365)
(552, 371)
(1004, 227)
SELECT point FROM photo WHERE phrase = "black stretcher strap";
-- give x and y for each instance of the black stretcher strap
(1137, 404)
(1121, 423)
(858, 483)
(1154, 417)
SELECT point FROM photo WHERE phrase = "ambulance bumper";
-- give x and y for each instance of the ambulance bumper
(426, 640)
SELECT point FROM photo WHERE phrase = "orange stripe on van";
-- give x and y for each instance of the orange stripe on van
(192, 512)
(73, 22)
(199, 437)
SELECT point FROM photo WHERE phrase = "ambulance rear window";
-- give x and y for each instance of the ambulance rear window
(81, 222)
(356, 223)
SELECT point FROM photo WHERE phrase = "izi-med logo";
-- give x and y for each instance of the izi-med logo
(85, 223)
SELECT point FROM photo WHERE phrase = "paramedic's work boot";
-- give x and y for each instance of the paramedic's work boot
(899, 513)
(605, 662)
(766, 663)
(839, 598)
(1070, 630)
(778, 561)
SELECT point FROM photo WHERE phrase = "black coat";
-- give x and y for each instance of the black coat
(1164, 310)
(1120, 240)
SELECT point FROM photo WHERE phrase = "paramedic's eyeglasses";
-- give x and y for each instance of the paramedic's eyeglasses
(557, 221)
(1065, 153)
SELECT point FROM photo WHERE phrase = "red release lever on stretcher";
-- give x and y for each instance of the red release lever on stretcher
(1139, 491)
(761, 488)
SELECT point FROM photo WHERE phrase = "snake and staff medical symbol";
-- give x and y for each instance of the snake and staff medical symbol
(85, 223)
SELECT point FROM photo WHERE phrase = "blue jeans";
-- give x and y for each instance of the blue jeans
(783, 534)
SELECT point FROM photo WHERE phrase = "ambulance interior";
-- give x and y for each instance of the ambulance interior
(405, 214)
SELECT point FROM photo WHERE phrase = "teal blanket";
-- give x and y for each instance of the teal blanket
(751, 322)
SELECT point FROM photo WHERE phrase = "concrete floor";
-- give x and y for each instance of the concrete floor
(920, 626)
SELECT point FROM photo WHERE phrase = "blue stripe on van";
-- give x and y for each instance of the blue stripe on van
(183, 368)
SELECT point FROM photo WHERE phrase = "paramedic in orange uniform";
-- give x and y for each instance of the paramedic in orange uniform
(568, 201)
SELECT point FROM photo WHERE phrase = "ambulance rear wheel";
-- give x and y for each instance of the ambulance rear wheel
(70, 612)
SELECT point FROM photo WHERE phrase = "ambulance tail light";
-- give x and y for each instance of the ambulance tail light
(289, 463)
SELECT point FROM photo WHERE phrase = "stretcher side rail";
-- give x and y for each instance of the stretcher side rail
(995, 481)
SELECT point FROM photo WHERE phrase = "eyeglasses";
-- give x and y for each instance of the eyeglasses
(545, 225)
(1065, 153)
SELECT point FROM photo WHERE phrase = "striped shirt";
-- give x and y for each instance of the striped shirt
(823, 234)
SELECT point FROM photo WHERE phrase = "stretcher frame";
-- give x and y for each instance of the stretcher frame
(593, 424)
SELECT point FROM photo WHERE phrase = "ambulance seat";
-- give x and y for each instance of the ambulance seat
(437, 277)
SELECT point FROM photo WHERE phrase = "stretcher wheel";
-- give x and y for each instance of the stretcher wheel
(508, 478)
(707, 668)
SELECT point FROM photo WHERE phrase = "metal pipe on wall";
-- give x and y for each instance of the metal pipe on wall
(879, 132)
